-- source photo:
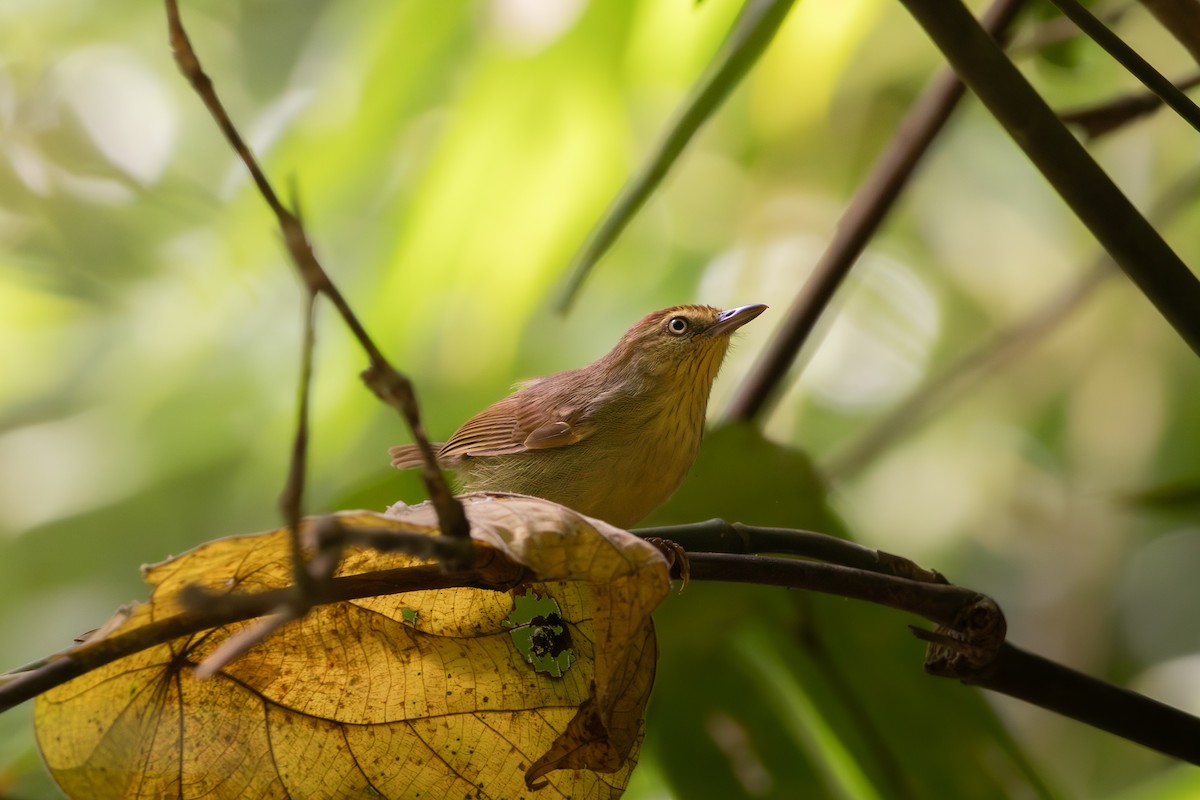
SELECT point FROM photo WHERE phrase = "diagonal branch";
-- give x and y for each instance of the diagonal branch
(987, 359)
(210, 612)
(388, 384)
(1101, 118)
(1127, 57)
(1181, 19)
(1054, 687)
(1133, 243)
(719, 536)
(862, 218)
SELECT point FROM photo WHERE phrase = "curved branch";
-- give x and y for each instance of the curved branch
(968, 644)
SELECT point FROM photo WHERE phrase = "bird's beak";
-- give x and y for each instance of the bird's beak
(729, 321)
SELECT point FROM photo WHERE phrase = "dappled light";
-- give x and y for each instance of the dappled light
(987, 393)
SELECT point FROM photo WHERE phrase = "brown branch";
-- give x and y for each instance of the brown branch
(968, 644)
(291, 501)
(1111, 115)
(1058, 30)
(719, 536)
(1181, 19)
(1133, 243)
(938, 602)
(1128, 58)
(1132, 716)
(862, 218)
(989, 357)
(388, 384)
(216, 611)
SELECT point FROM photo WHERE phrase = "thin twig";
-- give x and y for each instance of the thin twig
(862, 218)
(218, 610)
(1120, 228)
(1111, 115)
(1058, 30)
(291, 501)
(937, 602)
(1128, 58)
(388, 384)
(989, 357)
(242, 641)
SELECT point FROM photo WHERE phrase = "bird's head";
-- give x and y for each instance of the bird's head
(682, 343)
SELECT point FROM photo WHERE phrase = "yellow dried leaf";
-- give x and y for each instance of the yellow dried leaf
(416, 694)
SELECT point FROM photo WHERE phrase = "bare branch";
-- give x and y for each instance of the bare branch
(388, 384)
(990, 356)
(17, 687)
(862, 218)
(1180, 18)
(1133, 243)
(1041, 682)
(1111, 115)
(719, 536)
(291, 502)
(968, 644)
(1059, 29)
(1128, 58)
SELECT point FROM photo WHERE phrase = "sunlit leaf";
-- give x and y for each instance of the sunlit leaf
(399, 695)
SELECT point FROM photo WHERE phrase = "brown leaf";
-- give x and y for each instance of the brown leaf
(403, 695)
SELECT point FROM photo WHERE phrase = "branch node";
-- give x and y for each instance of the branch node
(969, 644)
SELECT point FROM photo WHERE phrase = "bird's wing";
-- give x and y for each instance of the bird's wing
(516, 424)
(407, 456)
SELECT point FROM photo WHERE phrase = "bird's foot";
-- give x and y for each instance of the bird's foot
(675, 555)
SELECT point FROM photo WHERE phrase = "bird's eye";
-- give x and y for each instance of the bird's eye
(677, 326)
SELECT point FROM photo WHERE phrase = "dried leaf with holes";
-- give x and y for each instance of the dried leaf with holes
(413, 694)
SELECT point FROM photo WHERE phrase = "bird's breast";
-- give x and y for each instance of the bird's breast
(640, 452)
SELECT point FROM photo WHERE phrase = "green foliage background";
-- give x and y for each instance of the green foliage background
(449, 159)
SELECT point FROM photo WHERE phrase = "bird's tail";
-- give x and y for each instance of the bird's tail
(408, 456)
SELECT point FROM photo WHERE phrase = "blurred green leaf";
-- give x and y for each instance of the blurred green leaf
(752, 31)
(450, 157)
(828, 694)
(1178, 783)
(724, 483)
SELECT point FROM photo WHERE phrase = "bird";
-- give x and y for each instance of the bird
(612, 440)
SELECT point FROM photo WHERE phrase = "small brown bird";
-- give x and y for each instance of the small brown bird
(611, 440)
